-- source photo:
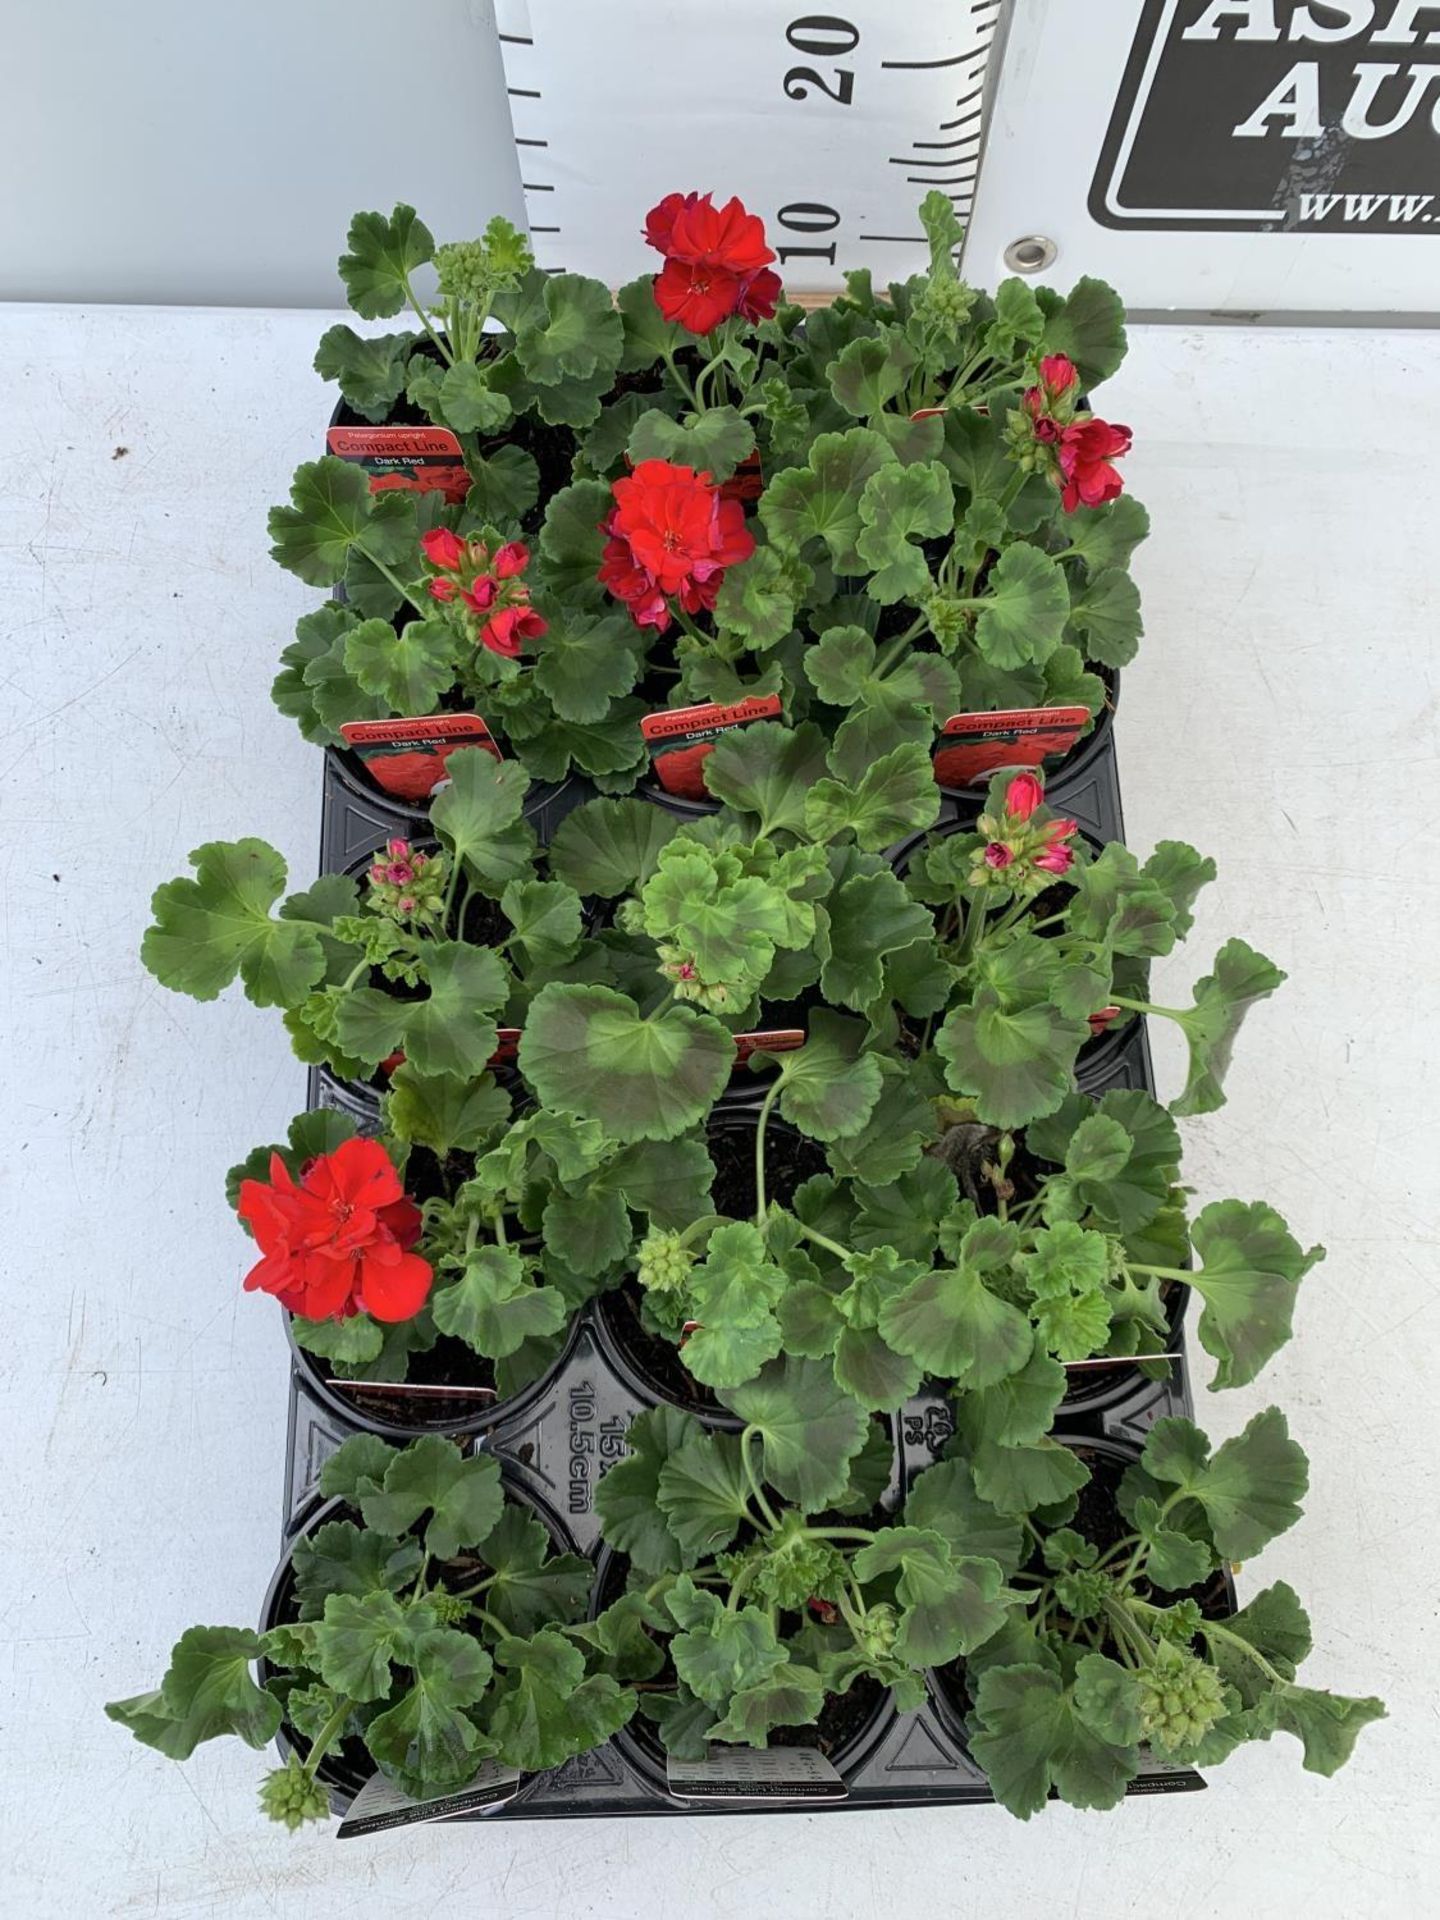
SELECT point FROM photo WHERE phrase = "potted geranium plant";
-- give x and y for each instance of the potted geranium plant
(423, 1623)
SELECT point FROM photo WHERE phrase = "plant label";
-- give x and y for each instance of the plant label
(747, 482)
(407, 757)
(679, 738)
(407, 459)
(380, 1805)
(728, 1774)
(972, 745)
(775, 1040)
(1167, 1780)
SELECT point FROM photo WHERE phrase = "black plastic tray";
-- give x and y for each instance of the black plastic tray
(556, 1439)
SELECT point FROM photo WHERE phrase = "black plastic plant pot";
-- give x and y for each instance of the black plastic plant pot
(649, 1364)
(1098, 1518)
(1103, 1385)
(403, 1410)
(345, 1771)
(1061, 771)
(849, 1729)
(357, 816)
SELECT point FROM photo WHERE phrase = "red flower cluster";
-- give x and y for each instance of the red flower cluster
(488, 587)
(339, 1242)
(1017, 850)
(672, 536)
(716, 262)
(1083, 447)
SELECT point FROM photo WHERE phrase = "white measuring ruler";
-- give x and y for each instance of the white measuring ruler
(831, 126)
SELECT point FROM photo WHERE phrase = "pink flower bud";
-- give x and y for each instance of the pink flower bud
(442, 548)
(998, 855)
(443, 589)
(512, 558)
(400, 873)
(1023, 795)
(398, 849)
(1055, 860)
(481, 594)
(406, 904)
(1058, 374)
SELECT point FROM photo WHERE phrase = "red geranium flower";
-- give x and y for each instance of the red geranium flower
(672, 536)
(442, 548)
(716, 261)
(339, 1242)
(1086, 449)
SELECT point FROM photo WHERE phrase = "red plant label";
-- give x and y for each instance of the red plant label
(1101, 1020)
(407, 757)
(776, 1040)
(411, 459)
(972, 745)
(509, 1046)
(679, 738)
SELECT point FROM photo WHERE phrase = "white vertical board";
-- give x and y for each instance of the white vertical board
(182, 155)
(1221, 156)
(831, 126)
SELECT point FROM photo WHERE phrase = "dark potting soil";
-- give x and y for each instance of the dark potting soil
(655, 1357)
(449, 1363)
(790, 1159)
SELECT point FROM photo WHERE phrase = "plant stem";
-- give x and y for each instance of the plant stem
(424, 319)
(840, 1533)
(821, 1240)
(756, 1489)
(326, 1734)
(399, 586)
(760, 1125)
(897, 646)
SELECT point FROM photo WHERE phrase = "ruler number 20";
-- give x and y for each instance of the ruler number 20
(825, 35)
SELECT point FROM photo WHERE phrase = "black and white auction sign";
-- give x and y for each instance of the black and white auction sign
(1273, 156)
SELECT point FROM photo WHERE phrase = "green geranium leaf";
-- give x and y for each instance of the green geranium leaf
(609, 847)
(425, 1742)
(1031, 1737)
(767, 770)
(790, 1696)
(1089, 326)
(719, 1650)
(758, 598)
(1326, 1724)
(531, 1587)
(1222, 999)
(479, 817)
(810, 1428)
(308, 1135)
(943, 1500)
(462, 1496)
(703, 1492)
(581, 334)
(382, 256)
(583, 664)
(443, 1111)
(371, 372)
(1250, 1488)
(468, 402)
(830, 1086)
(408, 670)
(866, 919)
(894, 796)
(1250, 1270)
(949, 1605)
(1107, 536)
(208, 1690)
(953, 1324)
(545, 1711)
(899, 506)
(209, 929)
(733, 1293)
(1017, 1411)
(1023, 609)
(357, 1464)
(1105, 614)
(505, 484)
(648, 335)
(571, 542)
(821, 500)
(627, 1500)
(331, 513)
(869, 372)
(342, 1558)
(1019, 1479)
(1017, 1064)
(494, 1306)
(547, 918)
(715, 441)
(588, 1050)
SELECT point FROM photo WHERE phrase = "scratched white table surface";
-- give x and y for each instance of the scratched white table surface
(1282, 716)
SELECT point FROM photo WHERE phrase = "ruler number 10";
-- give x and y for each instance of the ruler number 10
(826, 36)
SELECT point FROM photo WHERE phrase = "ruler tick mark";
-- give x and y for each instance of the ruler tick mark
(516, 39)
(916, 66)
(530, 143)
(946, 125)
(907, 239)
(955, 180)
(918, 160)
(534, 186)
(524, 93)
